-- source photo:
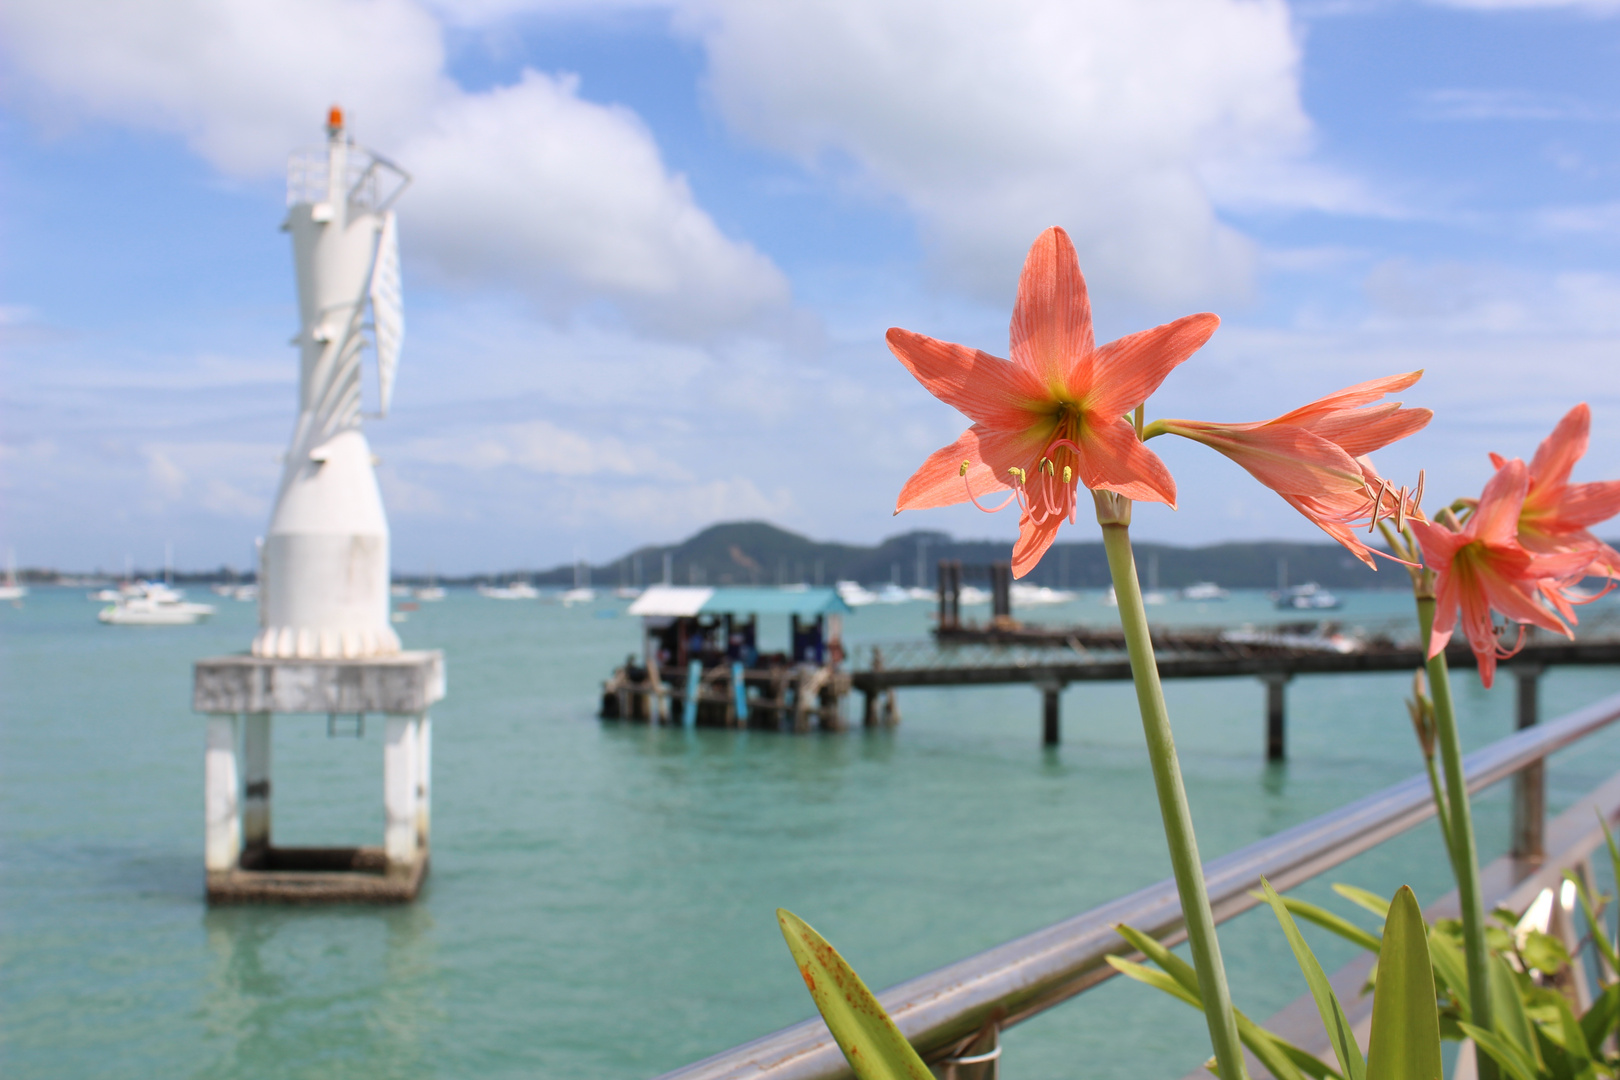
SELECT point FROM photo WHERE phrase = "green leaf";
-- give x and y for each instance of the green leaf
(1405, 1041)
(1365, 897)
(1594, 921)
(871, 1043)
(1504, 1053)
(1280, 1057)
(1599, 1020)
(1156, 979)
(1334, 1021)
(1449, 965)
(1507, 1007)
(1174, 966)
(1544, 952)
(1330, 922)
(1614, 852)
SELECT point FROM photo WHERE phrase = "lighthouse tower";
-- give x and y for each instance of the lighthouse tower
(324, 571)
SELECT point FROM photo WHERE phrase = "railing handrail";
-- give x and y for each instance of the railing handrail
(1032, 973)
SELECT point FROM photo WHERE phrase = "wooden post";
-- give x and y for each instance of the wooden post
(256, 782)
(222, 811)
(1530, 782)
(1051, 712)
(739, 693)
(1276, 715)
(400, 780)
(694, 684)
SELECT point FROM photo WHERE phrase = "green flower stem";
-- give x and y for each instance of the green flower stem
(1464, 856)
(1178, 827)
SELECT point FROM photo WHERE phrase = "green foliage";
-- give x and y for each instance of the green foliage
(871, 1043)
(1405, 1040)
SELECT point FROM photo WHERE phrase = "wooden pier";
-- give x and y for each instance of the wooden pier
(701, 665)
(1265, 656)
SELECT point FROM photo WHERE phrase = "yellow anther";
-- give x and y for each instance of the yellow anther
(1018, 474)
(1048, 467)
(965, 463)
(1068, 475)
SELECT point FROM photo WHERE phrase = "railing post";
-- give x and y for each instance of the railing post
(1530, 782)
(1276, 715)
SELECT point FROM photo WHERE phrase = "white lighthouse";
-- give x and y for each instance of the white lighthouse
(324, 572)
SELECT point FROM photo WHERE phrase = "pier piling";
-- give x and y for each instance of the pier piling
(1276, 715)
(1051, 712)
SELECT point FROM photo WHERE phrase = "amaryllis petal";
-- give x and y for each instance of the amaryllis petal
(1556, 456)
(1497, 517)
(1315, 456)
(1481, 566)
(1126, 372)
(1051, 322)
(940, 481)
(1584, 505)
(1287, 459)
(1351, 397)
(1114, 459)
(1359, 434)
(985, 388)
(1051, 419)
(1033, 541)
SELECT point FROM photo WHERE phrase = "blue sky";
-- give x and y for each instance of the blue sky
(652, 249)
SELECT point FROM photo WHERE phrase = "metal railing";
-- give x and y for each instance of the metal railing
(1012, 982)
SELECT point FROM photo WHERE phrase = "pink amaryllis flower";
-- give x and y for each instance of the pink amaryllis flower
(1557, 516)
(1481, 567)
(1057, 415)
(1315, 457)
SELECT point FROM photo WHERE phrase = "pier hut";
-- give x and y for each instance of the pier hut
(701, 663)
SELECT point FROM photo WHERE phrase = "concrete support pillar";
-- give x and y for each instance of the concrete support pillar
(400, 779)
(222, 811)
(256, 781)
(1276, 715)
(1530, 782)
(424, 780)
(1051, 713)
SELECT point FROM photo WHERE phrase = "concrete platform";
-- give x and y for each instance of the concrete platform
(403, 684)
(240, 695)
(356, 875)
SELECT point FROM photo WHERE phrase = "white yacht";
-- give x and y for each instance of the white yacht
(9, 589)
(149, 603)
(582, 594)
(1307, 597)
(1204, 590)
(1036, 595)
(855, 594)
(517, 590)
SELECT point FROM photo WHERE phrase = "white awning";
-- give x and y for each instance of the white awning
(671, 600)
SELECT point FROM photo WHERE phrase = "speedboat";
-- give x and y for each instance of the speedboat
(152, 604)
(1307, 597)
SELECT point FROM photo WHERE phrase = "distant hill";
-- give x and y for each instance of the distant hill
(759, 553)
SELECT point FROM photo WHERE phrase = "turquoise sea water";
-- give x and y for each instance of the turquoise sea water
(601, 897)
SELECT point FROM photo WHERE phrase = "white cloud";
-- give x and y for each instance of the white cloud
(1597, 7)
(537, 446)
(993, 121)
(1463, 104)
(1471, 298)
(528, 185)
(1602, 218)
(220, 477)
